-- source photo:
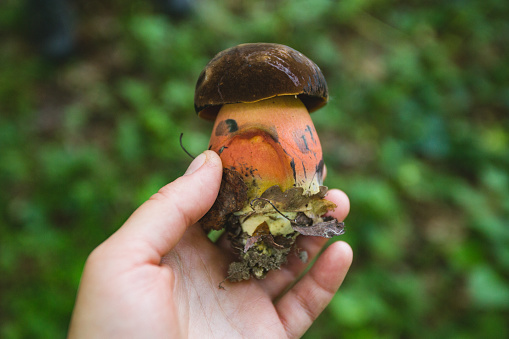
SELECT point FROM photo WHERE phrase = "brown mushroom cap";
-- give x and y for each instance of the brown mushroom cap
(254, 72)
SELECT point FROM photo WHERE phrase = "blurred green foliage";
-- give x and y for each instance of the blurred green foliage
(416, 132)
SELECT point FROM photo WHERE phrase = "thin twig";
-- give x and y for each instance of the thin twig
(270, 202)
(182, 146)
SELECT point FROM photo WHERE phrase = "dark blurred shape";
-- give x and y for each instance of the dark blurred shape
(53, 24)
(175, 9)
(53, 28)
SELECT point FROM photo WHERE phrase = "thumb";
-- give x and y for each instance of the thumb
(159, 223)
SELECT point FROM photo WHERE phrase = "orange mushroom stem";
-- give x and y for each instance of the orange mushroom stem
(260, 97)
(269, 142)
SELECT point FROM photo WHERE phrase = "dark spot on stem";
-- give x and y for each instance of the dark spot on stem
(226, 126)
(221, 150)
(292, 164)
(232, 125)
(308, 128)
(301, 142)
(319, 171)
(304, 148)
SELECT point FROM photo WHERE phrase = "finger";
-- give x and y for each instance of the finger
(302, 304)
(277, 281)
(157, 225)
(342, 204)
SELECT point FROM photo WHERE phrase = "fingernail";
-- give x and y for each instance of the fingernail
(196, 164)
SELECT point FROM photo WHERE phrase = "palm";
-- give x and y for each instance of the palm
(200, 267)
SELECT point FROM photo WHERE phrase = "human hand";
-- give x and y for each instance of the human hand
(158, 275)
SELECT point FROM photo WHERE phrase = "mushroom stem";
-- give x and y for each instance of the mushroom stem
(272, 141)
(269, 142)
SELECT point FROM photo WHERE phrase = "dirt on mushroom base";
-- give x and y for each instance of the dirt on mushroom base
(262, 251)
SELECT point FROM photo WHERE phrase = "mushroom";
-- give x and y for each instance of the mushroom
(259, 96)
